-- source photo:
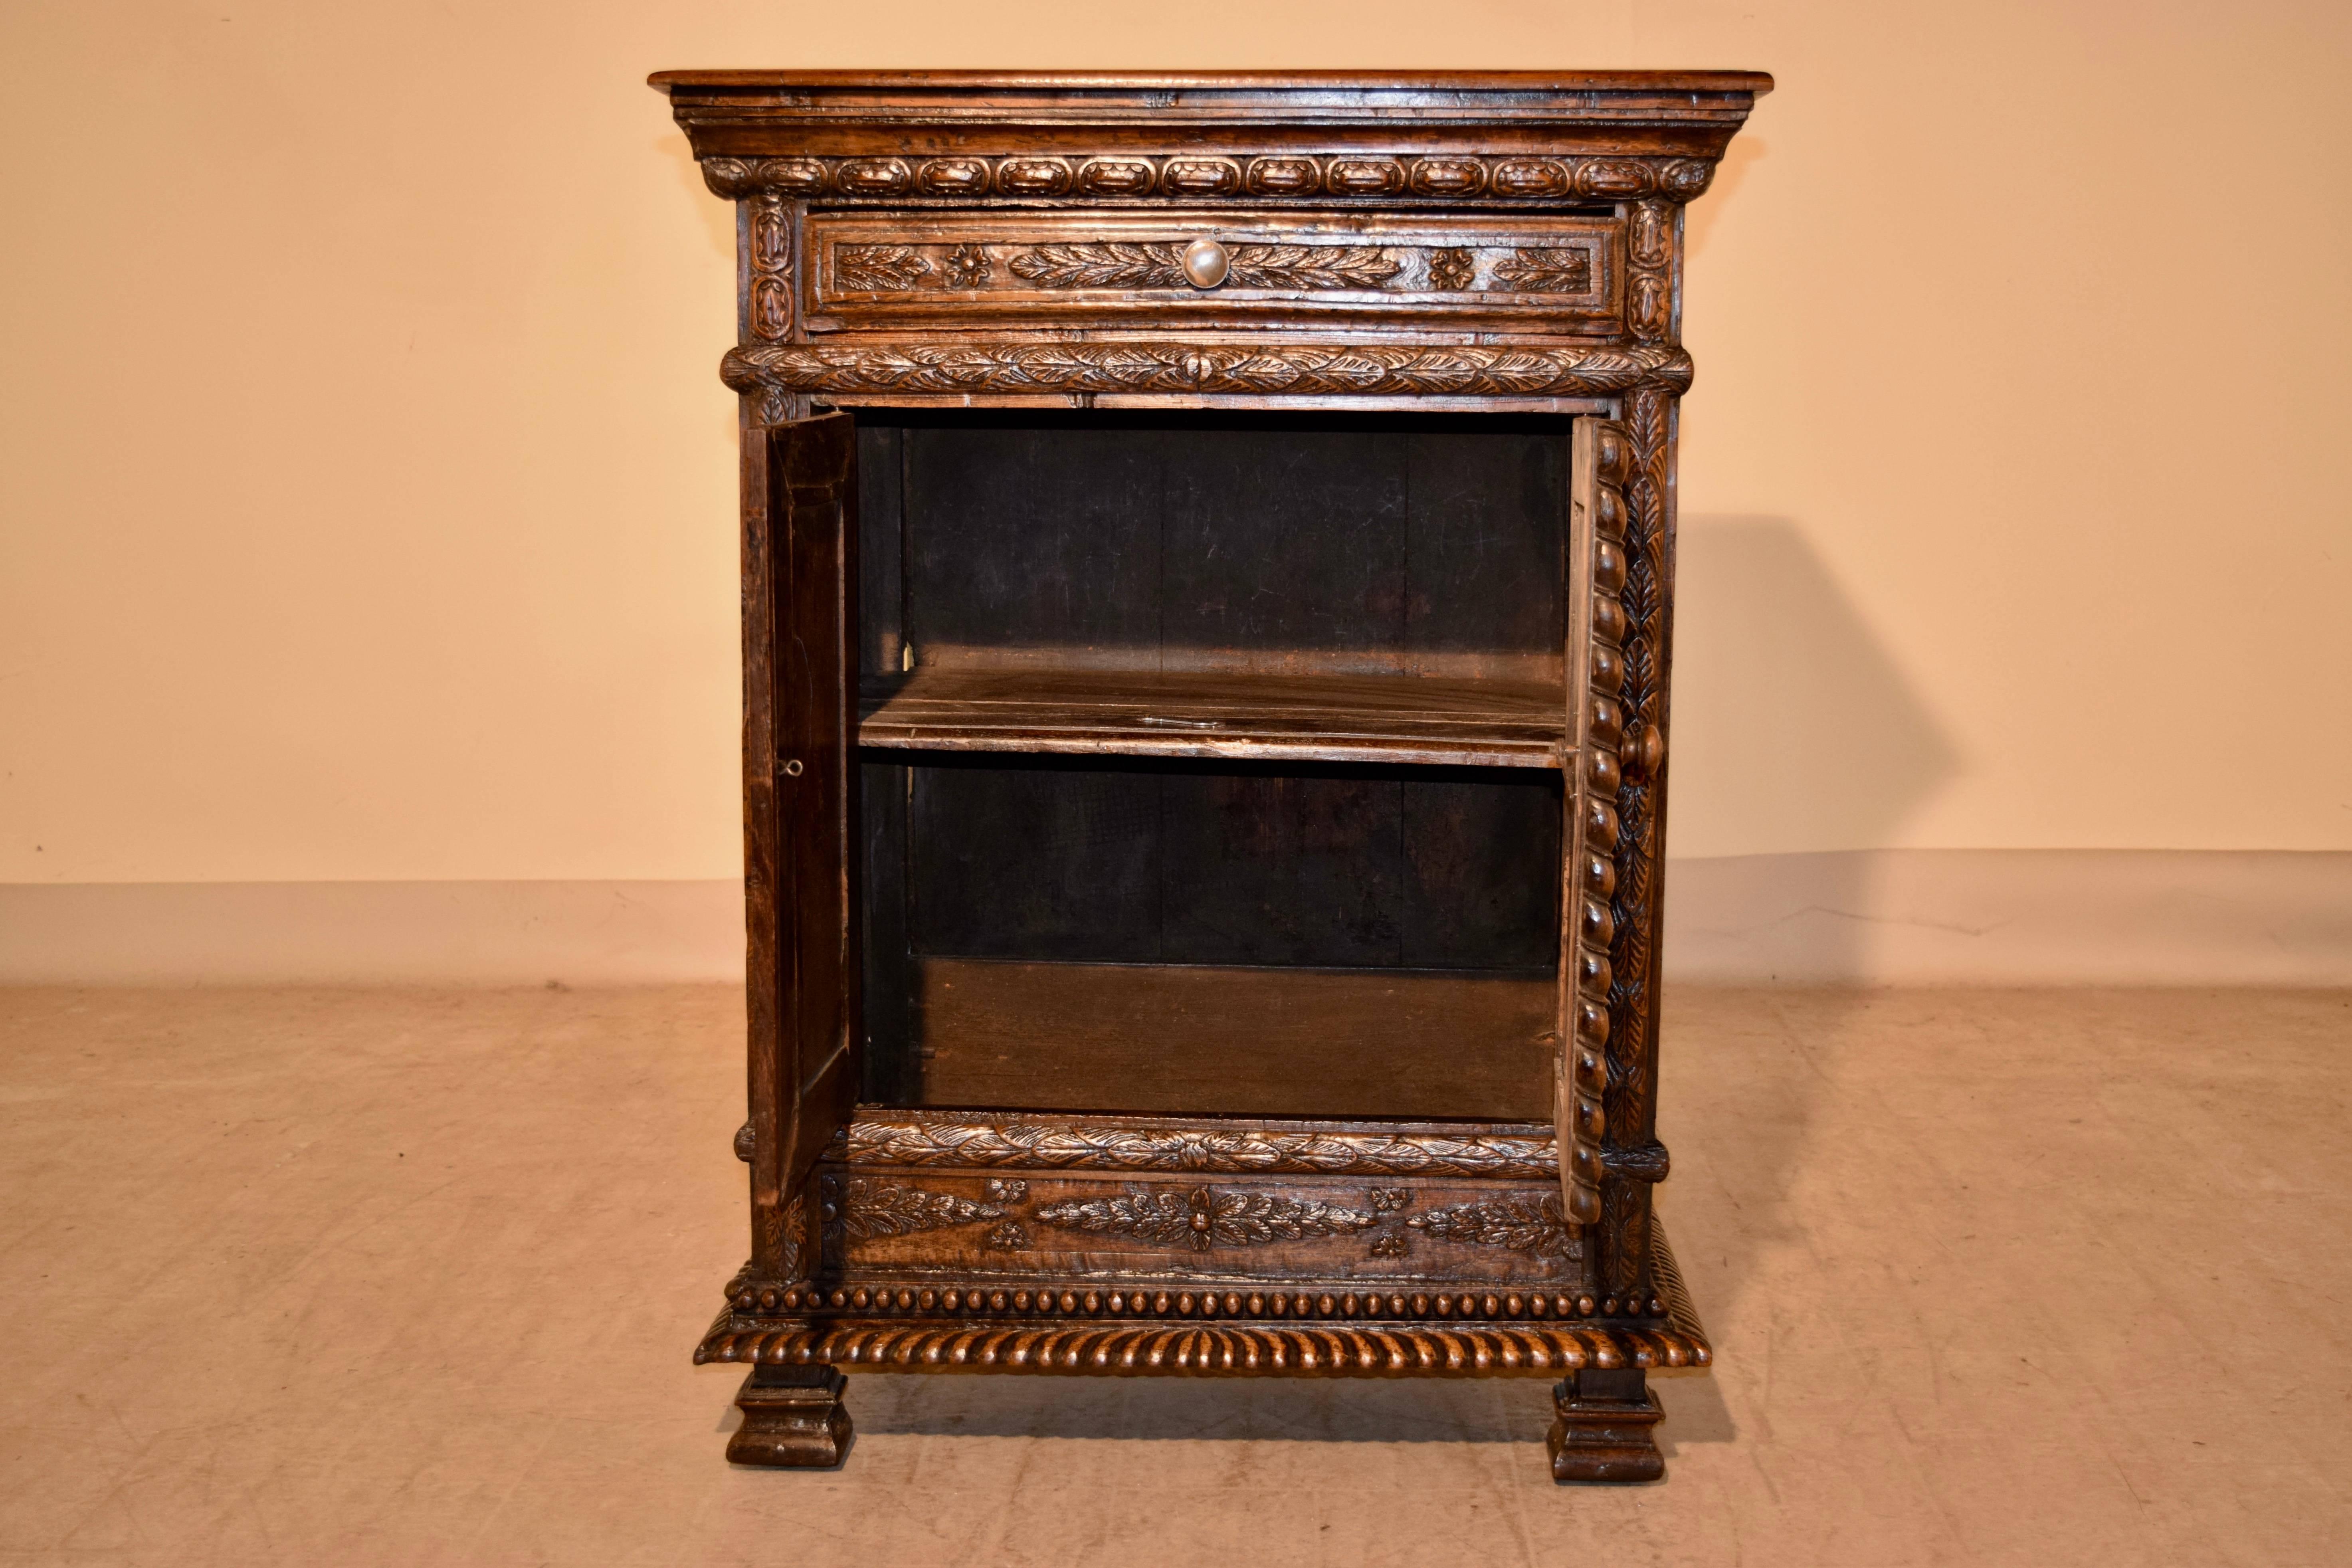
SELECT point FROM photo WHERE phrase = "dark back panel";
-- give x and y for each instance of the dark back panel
(1174, 541)
(1131, 861)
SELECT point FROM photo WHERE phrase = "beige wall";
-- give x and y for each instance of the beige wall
(366, 485)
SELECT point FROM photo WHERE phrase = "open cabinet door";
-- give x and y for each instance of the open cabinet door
(1597, 724)
(800, 738)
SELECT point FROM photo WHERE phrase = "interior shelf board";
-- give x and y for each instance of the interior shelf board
(1193, 714)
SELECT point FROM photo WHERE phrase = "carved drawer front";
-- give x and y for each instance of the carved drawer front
(1529, 274)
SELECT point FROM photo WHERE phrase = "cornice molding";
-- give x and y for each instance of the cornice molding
(1121, 175)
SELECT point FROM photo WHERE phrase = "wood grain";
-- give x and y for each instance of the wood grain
(1325, 718)
(1371, 1044)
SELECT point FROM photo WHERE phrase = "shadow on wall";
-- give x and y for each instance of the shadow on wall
(1794, 733)
(1792, 730)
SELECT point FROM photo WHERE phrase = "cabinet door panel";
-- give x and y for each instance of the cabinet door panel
(811, 828)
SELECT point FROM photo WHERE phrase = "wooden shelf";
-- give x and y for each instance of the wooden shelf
(1313, 718)
(1202, 1039)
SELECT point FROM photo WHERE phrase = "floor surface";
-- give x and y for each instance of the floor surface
(411, 1276)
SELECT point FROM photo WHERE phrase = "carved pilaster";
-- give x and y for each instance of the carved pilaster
(1651, 233)
(1630, 1104)
(766, 225)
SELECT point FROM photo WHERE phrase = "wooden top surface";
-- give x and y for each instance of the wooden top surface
(1564, 83)
(760, 114)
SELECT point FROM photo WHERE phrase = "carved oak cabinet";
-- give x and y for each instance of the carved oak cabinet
(1208, 554)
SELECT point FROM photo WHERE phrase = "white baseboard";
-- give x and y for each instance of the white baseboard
(1887, 917)
(2013, 917)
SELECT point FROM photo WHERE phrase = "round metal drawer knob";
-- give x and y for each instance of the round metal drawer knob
(1205, 263)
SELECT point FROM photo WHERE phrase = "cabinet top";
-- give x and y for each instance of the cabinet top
(1312, 84)
(766, 114)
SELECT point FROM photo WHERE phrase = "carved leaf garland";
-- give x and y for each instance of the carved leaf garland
(1129, 264)
(870, 1208)
(1564, 271)
(1311, 266)
(1107, 264)
(881, 269)
(1203, 1219)
(1527, 1222)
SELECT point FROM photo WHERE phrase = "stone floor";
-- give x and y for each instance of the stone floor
(318, 1277)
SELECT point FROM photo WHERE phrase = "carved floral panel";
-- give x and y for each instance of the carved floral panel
(1566, 269)
(1237, 1226)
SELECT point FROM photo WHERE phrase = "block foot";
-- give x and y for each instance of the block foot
(793, 1419)
(1601, 1429)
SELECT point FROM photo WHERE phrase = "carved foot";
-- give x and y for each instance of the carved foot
(1601, 1429)
(793, 1419)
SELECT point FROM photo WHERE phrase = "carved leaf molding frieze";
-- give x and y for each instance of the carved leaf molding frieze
(1271, 368)
(1281, 176)
(1056, 1146)
(864, 1208)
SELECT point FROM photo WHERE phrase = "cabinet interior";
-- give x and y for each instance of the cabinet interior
(1211, 762)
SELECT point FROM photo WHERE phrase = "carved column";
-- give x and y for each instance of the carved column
(1633, 1156)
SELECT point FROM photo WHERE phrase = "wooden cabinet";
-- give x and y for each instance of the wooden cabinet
(1207, 575)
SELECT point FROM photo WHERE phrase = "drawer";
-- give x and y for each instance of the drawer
(1535, 273)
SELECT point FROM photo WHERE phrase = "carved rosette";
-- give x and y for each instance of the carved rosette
(967, 268)
(976, 366)
(1454, 270)
(1010, 1143)
(1182, 177)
